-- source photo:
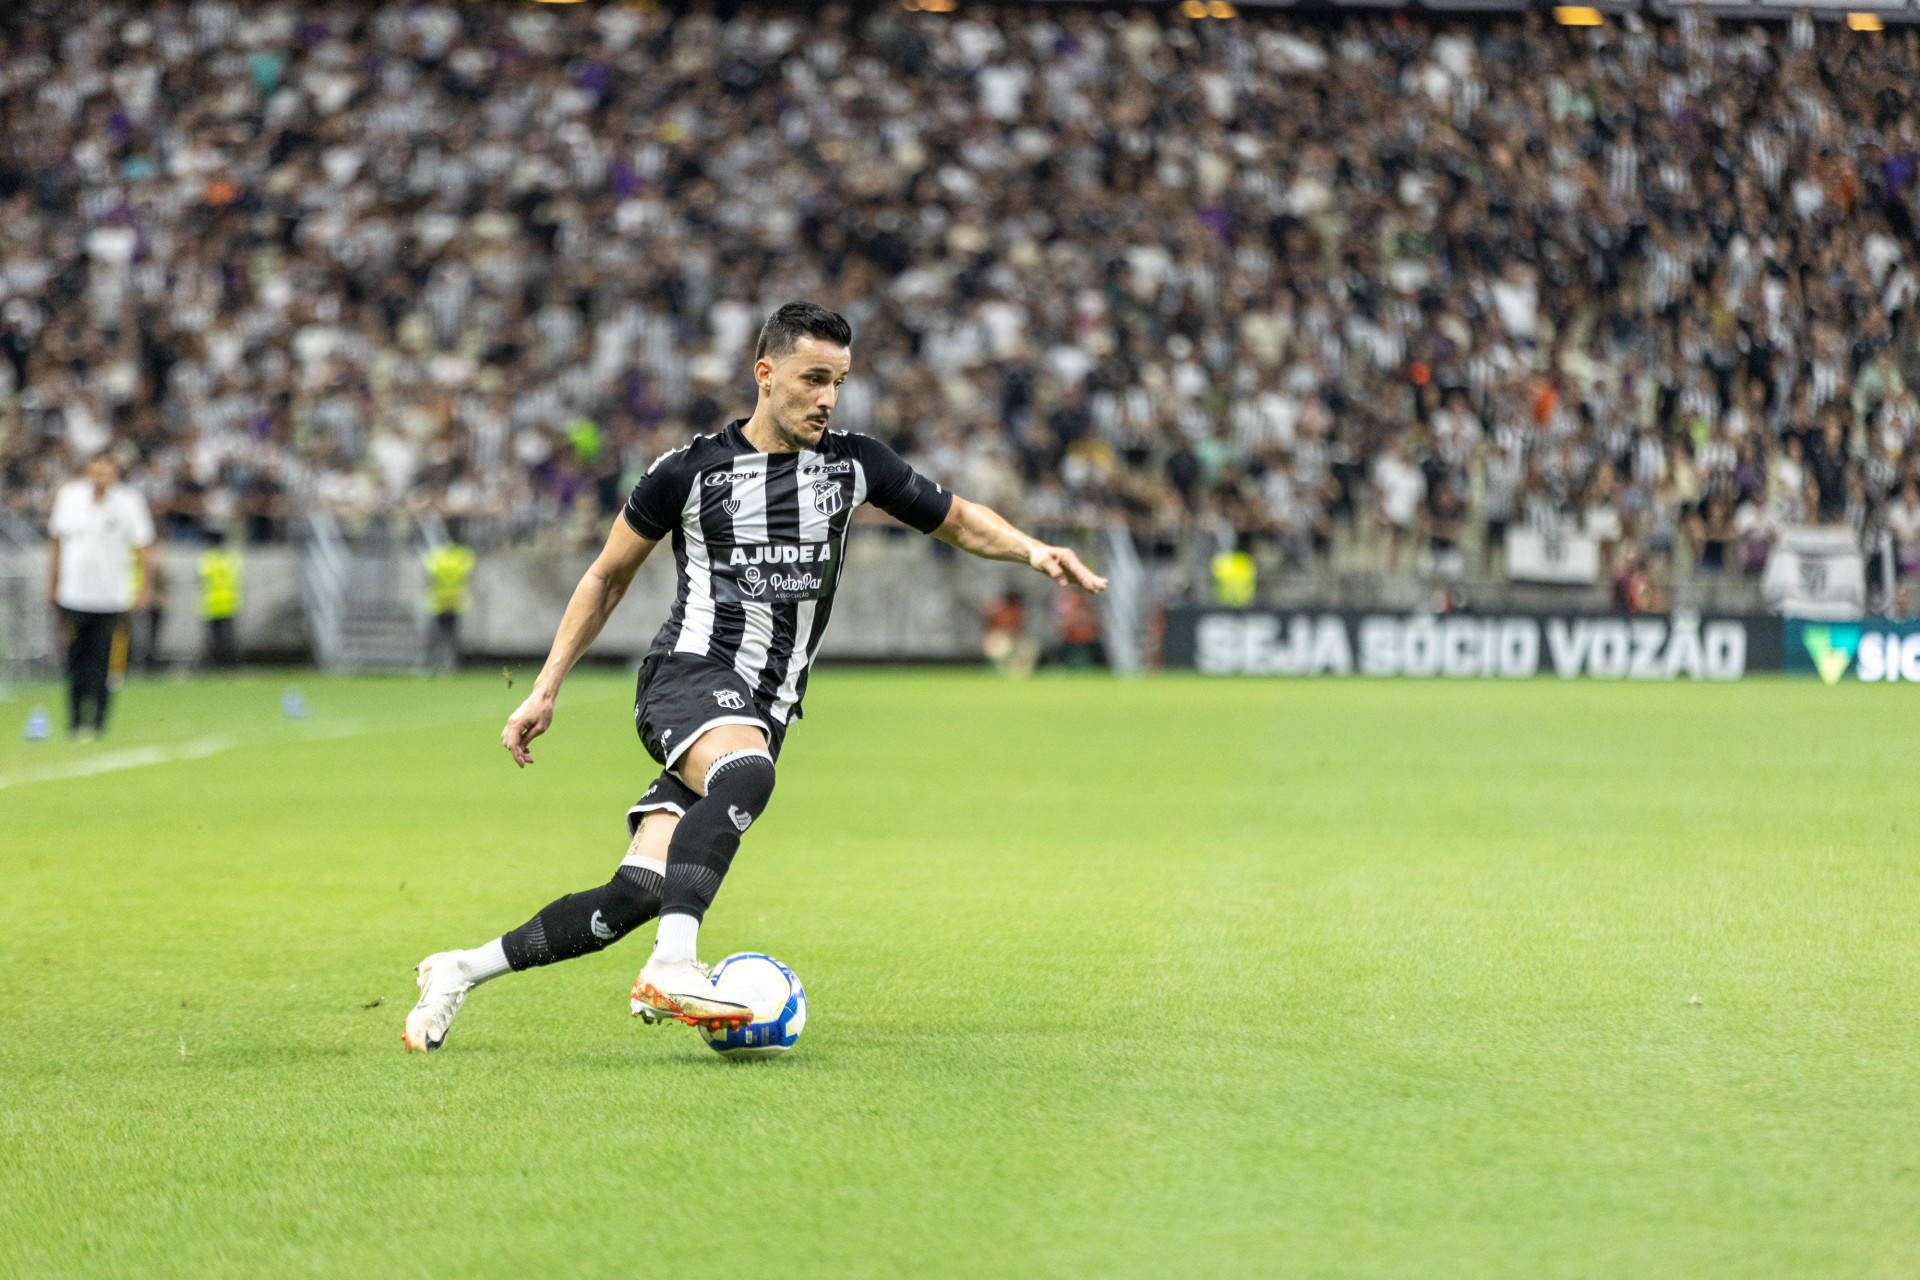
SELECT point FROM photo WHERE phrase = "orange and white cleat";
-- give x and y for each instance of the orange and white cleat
(443, 989)
(683, 990)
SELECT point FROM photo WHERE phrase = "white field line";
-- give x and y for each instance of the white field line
(200, 748)
(114, 761)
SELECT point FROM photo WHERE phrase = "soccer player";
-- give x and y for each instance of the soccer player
(757, 514)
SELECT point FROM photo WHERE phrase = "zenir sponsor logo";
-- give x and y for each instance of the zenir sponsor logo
(1831, 648)
(827, 469)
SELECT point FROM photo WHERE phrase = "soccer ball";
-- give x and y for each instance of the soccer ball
(774, 994)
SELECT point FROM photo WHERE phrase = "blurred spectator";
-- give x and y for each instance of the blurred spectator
(1635, 589)
(1003, 636)
(1903, 523)
(1827, 473)
(1756, 528)
(1401, 488)
(1713, 534)
(1077, 621)
(1444, 518)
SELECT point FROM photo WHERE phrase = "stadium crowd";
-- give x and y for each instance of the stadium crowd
(1257, 281)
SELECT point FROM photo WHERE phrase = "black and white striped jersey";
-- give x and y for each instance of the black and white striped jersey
(759, 539)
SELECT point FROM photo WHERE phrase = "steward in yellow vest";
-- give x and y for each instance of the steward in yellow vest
(220, 602)
(1234, 575)
(449, 569)
(449, 566)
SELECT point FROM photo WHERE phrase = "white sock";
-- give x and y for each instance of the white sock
(484, 963)
(677, 938)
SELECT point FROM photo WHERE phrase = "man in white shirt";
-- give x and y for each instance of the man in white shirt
(98, 529)
(1399, 486)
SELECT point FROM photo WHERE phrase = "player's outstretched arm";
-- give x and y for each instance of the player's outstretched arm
(983, 532)
(593, 602)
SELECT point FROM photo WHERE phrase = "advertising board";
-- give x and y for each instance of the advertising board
(1869, 652)
(1513, 646)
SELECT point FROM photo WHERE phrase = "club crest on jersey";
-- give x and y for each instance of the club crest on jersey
(729, 698)
(827, 498)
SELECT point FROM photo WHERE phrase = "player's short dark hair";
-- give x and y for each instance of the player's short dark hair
(785, 327)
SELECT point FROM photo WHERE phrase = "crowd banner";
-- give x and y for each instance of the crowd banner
(1559, 556)
(1817, 571)
(1512, 646)
(1871, 652)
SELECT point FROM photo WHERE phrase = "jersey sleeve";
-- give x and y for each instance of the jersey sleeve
(898, 489)
(653, 508)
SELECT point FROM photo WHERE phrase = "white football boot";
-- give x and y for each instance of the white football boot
(443, 989)
(683, 990)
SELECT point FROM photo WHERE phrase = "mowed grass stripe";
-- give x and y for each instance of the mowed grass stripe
(1107, 978)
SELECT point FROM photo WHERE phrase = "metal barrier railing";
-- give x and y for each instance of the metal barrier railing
(323, 586)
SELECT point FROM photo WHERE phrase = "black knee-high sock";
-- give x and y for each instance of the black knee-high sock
(582, 923)
(738, 787)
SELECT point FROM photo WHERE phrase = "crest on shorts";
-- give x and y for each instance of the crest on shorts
(729, 698)
(827, 497)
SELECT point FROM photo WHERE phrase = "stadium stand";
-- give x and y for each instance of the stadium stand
(1375, 287)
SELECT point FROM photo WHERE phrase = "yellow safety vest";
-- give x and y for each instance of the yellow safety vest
(1233, 578)
(584, 435)
(449, 565)
(219, 583)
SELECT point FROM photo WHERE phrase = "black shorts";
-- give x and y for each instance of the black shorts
(678, 697)
(664, 792)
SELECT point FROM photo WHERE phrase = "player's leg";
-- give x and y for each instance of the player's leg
(582, 923)
(731, 769)
(576, 925)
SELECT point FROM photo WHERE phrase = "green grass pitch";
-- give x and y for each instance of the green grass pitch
(1170, 977)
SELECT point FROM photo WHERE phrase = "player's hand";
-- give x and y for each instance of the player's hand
(1065, 568)
(526, 724)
